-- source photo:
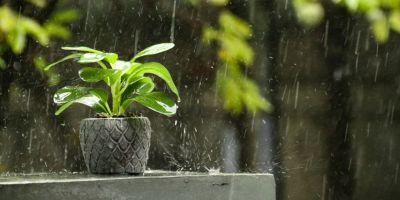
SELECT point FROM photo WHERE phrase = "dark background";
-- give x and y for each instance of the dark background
(333, 134)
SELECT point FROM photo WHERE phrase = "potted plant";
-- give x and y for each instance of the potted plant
(114, 141)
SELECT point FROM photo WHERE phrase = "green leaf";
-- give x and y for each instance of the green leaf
(121, 65)
(381, 30)
(352, 5)
(234, 48)
(309, 13)
(156, 101)
(111, 57)
(251, 97)
(155, 49)
(83, 49)
(16, 39)
(129, 68)
(367, 5)
(123, 68)
(64, 16)
(72, 56)
(141, 86)
(218, 2)
(71, 93)
(233, 24)
(94, 98)
(112, 80)
(39, 62)
(57, 30)
(102, 94)
(240, 93)
(209, 34)
(8, 20)
(91, 58)
(91, 74)
(158, 70)
(35, 29)
(63, 107)
(379, 24)
(394, 20)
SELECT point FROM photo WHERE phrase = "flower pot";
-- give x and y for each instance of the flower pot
(115, 145)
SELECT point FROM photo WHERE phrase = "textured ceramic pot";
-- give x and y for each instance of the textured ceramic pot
(115, 145)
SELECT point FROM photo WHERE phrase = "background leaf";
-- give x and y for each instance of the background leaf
(37, 31)
(65, 16)
(38, 3)
(16, 39)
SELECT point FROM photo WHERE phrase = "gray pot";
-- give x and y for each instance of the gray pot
(115, 145)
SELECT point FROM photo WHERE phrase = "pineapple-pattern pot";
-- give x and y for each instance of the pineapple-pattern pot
(115, 145)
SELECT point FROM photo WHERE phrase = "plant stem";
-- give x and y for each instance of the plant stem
(108, 109)
(116, 97)
(102, 65)
(116, 103)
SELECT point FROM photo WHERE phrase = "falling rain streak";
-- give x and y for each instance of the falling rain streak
(172, 35)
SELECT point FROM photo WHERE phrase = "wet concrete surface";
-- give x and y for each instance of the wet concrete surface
(152, 185)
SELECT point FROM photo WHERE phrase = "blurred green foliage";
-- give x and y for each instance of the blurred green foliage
(212, 2)
(383, 15)
(38, 3)
(238, 92)
(309, 12)
(15, 29)
(40, 64)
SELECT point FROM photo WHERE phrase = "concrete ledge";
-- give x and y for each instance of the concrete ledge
(155, 185)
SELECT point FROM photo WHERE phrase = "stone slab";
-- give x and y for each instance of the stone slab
(154, 185)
